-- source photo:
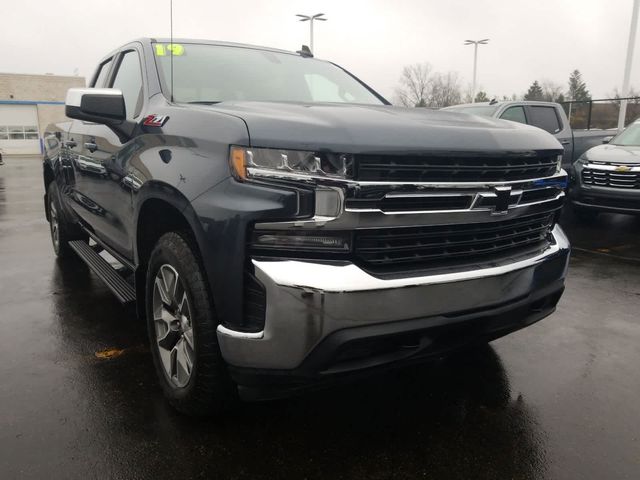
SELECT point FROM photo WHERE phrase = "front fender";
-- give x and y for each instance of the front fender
(226, 213)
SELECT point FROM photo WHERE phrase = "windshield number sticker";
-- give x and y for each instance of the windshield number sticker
(174, 49)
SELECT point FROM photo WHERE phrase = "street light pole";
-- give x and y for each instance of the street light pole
(475, 69)
(475, 44)
(627, 66)
(310, 19)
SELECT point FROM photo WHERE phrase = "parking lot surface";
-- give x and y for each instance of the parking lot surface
(558, 400)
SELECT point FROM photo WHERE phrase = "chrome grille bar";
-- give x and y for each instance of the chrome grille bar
(612, 175)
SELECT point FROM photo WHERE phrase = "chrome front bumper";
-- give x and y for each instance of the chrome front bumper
(307, 301)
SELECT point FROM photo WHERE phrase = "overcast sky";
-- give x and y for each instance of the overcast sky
(374, 39)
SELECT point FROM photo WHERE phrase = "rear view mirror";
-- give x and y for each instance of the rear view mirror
(607, 139)
(99, 105)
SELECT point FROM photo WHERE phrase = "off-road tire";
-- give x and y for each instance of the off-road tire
(209, 389)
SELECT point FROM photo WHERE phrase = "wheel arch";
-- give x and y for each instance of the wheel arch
(161, 208)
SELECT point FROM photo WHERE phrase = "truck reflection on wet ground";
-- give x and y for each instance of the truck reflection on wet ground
(427, 420)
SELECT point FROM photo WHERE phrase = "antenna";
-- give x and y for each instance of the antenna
(171, 40)
(304, 51)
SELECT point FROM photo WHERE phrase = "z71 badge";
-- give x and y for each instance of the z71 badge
(155, 120)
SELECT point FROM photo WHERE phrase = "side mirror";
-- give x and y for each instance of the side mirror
(607, 139)
(98, 105)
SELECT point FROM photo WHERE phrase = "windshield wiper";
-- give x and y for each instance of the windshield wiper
(206, 102)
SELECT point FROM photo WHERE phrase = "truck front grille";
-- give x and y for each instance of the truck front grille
(608, 178)
(456, 167)
(405, 248)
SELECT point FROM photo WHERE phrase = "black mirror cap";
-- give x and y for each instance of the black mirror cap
(96, 105)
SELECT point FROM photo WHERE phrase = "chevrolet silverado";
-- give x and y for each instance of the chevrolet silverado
(280, 225)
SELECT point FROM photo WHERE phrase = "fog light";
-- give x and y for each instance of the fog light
(302, 241)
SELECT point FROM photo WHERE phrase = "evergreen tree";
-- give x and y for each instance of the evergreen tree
(577, 88)
(482, 97)
(535, 92)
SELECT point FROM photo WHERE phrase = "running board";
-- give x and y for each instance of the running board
(104, 271)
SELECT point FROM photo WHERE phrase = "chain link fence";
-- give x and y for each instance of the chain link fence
(600, 114)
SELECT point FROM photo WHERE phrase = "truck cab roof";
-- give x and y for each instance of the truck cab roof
(147, 41)
(498, 104)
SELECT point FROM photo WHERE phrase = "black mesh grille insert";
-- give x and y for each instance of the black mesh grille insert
(456, 167)
(442, 246)
(255, 304)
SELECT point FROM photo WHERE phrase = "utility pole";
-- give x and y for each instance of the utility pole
(627, 66)
(475, 44)
(310, 19)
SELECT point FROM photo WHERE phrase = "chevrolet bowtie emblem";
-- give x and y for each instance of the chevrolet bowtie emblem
(623, 168)
(503, 198)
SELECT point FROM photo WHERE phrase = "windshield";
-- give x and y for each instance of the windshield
(215, 73)
(631, 136)
(483, 110)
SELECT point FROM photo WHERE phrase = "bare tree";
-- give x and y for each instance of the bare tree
(468, 92)
(632, 93)
(420, 86)
(552, 91)
(414, 86)
(445, 90)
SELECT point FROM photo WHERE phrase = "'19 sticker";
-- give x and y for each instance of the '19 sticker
(174, 49)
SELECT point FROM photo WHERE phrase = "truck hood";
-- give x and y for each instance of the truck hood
(352, 128)
(613, 153)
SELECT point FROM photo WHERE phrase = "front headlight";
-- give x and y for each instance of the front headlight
(293, 164)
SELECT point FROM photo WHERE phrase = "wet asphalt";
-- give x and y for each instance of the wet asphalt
(78, 396)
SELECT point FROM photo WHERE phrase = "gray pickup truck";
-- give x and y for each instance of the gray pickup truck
(548, 116)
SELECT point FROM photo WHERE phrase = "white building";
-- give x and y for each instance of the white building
(28, 103)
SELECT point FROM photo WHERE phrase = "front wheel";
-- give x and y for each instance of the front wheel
(182, 330)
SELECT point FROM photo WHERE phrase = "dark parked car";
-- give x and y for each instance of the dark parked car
(608, 176)
(548, 116)
(279, 224)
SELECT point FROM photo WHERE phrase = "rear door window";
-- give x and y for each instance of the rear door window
(515, 114)
(545, 118)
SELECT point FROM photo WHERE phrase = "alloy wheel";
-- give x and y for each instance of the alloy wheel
(173, 327)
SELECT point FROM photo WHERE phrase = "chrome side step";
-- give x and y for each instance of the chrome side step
(104, 271)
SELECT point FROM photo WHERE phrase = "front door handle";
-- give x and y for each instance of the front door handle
(565, 142)
(70, 143)
(92, 147)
